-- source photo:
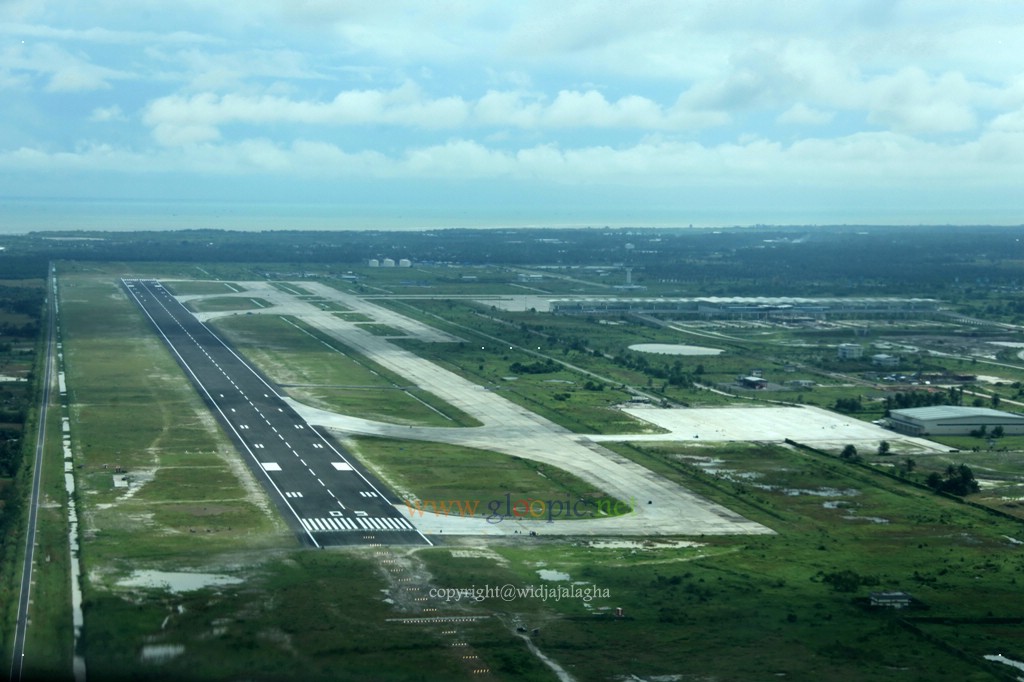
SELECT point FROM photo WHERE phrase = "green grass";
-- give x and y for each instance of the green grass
(299, 616)
(49, 642)
(735, 608)
(439, 473)
(380, 329)
(739, 608)
(322, 372)
(354, 317)
(560, 396)
(293, 289)
(186, 287)
(324, 303)
(133, 407)
(226, 303)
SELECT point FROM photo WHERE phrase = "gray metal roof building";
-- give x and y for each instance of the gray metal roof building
(951, 420)
(746, 306)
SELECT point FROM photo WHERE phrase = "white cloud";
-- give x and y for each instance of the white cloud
(408, 106)
(102, 35)
(65, 71)
(654, 93)
(910, 100)
(107, 114)
(880, 160)
(201, 115)
(202, 70)
(800, 114)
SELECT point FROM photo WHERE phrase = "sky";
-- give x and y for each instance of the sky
(513, 112)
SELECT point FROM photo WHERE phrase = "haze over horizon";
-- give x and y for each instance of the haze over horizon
(277, 115)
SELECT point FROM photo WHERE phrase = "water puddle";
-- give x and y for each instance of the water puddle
(644, 544)
(158, 653)
(177, 581)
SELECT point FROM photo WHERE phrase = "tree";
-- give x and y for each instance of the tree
(883, 448)
(849, 453)
(958, 480)
(848, 405)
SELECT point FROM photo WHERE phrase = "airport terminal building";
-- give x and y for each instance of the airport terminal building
(951, 420)
(745, 307)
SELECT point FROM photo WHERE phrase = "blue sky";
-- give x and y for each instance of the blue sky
(664, 113)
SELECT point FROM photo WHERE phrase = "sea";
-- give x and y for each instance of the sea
(21, 216)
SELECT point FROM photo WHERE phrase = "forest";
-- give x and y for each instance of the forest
(816, 260)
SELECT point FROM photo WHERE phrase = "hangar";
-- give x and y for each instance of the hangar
(951, 420)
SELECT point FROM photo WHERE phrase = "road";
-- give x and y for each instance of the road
(325, 495)
(21, 629)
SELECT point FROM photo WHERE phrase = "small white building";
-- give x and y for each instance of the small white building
(374, 263)
(891, 600)
(951, 420)
(884, 360)
(388, 263)
(404, 263)
(848, 351)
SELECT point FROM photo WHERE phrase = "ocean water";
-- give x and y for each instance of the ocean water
(20, 216)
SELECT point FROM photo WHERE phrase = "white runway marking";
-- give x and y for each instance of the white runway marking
(341, 524)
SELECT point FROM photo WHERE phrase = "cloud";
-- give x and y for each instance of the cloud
(881, 160)
(655, 93)
(800, 115)
(65, 71)
(107, 114)
(201, 116)
(103, 35)
(202, 70)
(912, 101)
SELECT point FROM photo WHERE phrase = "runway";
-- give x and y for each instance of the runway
(325, 495)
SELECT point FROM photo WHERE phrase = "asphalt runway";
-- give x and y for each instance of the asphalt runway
(325, 495)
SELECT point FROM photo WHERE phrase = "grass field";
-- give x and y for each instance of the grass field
(294, 614)
(133, 409)
(321, 372)
(354, 317)
(442, 472)
(562, 396)
(49, 641)
(192, 507)
(201, 288)
(788, 606)
(226, 303)
(792, 605)
(379, 329)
